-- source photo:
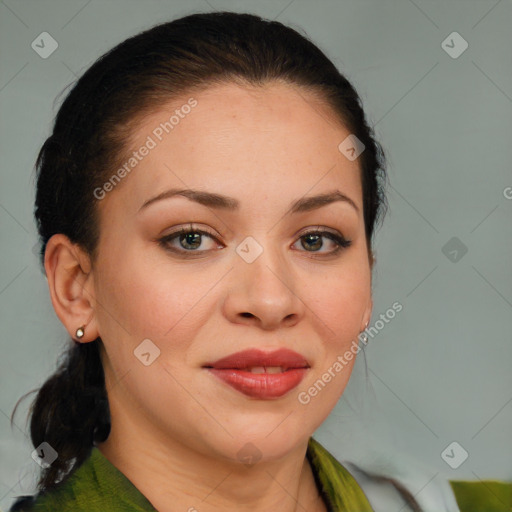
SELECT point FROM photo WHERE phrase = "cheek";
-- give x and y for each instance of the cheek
(340, 301)
(142, 298)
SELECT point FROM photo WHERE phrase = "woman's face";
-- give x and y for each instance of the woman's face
(255, 281)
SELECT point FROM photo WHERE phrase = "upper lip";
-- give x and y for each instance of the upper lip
(283, 357)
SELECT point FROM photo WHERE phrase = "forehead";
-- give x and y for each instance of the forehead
(248, 142)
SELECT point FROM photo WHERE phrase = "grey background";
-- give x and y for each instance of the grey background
(440, 370)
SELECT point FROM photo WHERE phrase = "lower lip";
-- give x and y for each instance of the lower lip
(261, 385)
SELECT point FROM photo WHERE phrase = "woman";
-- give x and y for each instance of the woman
(206, 205)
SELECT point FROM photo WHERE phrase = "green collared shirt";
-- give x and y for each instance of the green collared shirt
(98, 486)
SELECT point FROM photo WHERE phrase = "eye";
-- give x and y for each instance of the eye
(313, 240)
(189, 240)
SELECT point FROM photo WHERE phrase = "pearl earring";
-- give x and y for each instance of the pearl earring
(80, 332)
(363, 335)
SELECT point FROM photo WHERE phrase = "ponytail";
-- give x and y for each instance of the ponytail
(70, 412)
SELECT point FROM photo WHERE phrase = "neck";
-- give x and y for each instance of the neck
(174, 476)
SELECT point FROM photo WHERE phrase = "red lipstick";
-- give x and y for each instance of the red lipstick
(258, 374)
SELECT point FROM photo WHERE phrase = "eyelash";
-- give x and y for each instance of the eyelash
(339, 240)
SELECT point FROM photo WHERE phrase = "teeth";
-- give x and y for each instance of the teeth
(267, 369)
(274, 369)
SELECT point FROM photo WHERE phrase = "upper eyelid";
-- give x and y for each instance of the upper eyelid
(311, 229)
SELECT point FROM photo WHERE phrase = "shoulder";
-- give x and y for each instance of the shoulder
(71, 494)
(483, 496)
(393, 492)
(96, 485)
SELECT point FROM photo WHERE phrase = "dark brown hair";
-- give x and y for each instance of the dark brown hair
(90, 136)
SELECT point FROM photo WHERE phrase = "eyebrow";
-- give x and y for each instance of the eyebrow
(219, 201)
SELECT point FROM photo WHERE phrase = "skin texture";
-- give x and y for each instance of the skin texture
(176, 428)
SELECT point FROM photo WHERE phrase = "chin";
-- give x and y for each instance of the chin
(266, 440)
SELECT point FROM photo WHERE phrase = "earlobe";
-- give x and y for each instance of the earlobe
(367, 315)
(69, 275)
(373, 259)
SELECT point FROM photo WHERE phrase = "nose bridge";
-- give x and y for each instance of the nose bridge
(265, 287)
(260, 257)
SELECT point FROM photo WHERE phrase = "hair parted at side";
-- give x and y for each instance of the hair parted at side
(91, 136)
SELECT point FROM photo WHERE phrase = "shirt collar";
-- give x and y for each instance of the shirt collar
(338, 488)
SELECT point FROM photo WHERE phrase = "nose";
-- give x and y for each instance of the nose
(262, 291)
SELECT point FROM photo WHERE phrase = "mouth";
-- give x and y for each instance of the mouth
(255, 359)
(261, 375)
(258, 369)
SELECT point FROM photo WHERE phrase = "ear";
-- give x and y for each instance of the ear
(367, 315)
(69, 273)
(371, 258)
(369, 308)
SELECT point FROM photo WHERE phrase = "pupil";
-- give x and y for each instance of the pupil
(188, 236)
(319, 239)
